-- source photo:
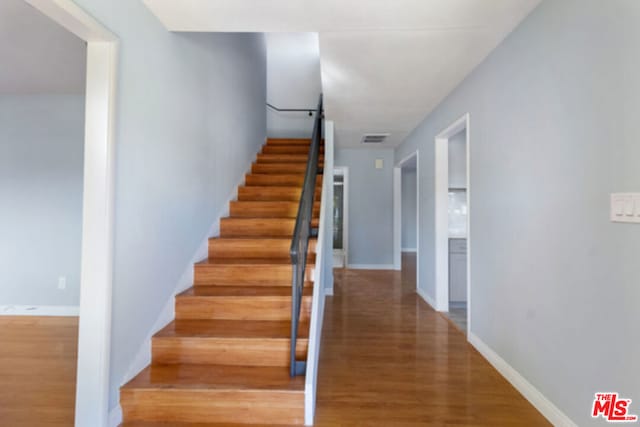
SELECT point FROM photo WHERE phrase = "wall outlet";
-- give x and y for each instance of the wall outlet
(62, 282)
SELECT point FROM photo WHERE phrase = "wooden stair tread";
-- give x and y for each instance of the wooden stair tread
(275, 193)
(277, 179)
(240, 226)
(315, 222)
(244, 291)
(289, 141)
(265, 239)
(231, 329)
(288, 149)
(174, 424)
(286, 158)
(253, 247)
(272, 203)
(258, 240)
(277, 239)
(268, 209)
(251, 261)
(216, 377)
(280, 168)
(276, 187)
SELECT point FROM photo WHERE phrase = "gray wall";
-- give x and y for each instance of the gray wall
(458, 160)
(370, 205)
(38, 55)
(190, 119)
(409, 203)
(41, 167)
(293, 81)
(554, 284)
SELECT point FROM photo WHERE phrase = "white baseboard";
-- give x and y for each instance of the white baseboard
(409, 250)
(426, 298)
(371, 266)
(115, 416)
(40, 310)
(532, 394)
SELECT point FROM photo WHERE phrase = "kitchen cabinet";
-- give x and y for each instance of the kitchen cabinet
(458, 270)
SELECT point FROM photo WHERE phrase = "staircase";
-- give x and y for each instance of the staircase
(225, 359)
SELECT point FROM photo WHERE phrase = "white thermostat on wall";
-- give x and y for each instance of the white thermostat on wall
(625, 207)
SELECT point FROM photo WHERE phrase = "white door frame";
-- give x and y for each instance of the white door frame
(94, 336)
(344, 171)
(397, 215)
(442, 214)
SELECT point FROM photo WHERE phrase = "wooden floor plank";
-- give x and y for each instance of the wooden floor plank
(388, 359)
(38, 371)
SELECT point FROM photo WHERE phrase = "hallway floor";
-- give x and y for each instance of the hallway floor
(387, 359)
(38, 357)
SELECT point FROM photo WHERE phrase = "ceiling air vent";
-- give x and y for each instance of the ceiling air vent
(374, 138)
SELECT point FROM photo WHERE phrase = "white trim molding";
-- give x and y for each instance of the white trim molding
(94, 336)
(115, 416)
(441, 214)
(409, 249)
(344, 172)
(40, 310)
(423, 294)
(322, 274)
(532, 394)
(371, 266)
(397, 218)
(397, 215)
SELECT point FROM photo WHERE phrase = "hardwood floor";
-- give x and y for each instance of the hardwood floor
(38, 371)
(387, 359)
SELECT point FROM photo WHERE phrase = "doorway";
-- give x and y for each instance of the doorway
(340, 217)
(94, 335)
(42, 107)
(452, 223)
(406, 223)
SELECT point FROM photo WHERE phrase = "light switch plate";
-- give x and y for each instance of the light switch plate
(379, 163)
(625, 207)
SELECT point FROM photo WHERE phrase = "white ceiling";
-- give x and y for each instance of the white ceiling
(385, 64)
(38, 56)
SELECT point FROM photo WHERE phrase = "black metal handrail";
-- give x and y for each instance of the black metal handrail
(291, 110)
(301, 234)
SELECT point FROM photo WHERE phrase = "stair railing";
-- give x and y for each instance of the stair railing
(301, 235)
(309, 111)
